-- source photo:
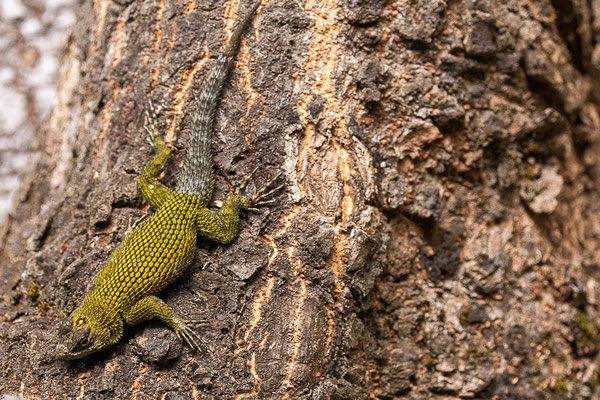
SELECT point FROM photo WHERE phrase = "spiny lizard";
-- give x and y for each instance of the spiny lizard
(160, 250)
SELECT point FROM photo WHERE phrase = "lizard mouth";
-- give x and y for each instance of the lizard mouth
(64, 353)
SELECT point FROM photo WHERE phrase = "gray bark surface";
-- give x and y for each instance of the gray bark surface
(32, 36)
(437, 238)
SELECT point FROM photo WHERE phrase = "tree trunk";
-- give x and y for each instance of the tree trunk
(438, 232)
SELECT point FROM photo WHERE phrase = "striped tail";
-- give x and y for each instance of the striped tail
(196, 175)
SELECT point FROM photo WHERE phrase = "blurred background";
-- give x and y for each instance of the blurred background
(32, 38)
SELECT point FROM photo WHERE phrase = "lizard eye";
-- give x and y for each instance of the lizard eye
(81, 339)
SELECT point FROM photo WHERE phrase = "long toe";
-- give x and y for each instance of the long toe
(244, 183)
(264, 194)
(196, 321)
(262, 203)
(199, 341)
(193, 339)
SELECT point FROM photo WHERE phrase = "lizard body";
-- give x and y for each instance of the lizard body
(157, 252)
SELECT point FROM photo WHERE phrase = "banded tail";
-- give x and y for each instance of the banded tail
(196, 175)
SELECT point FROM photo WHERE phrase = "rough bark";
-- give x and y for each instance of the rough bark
(438, 233)
(32, 36)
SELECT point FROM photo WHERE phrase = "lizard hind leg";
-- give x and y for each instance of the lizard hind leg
(223, 227)
(148, 184)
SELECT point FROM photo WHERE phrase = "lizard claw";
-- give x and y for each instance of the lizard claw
(244, 183)
(150, 124)
(262, 194)
(151, 127)
(263, 203)
(131, 226)
(260, 198)
(188, 335)
(196, 321)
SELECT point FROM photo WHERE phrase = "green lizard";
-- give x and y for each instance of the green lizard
(160, 250)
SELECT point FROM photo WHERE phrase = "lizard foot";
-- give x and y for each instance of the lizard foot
(151, 127)
(150, 123)
(260, 198)
(186, 334)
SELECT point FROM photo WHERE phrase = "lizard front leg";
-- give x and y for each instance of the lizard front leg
(152, 307)
(151, 188)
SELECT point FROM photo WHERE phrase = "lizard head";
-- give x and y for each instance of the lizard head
(80, 336)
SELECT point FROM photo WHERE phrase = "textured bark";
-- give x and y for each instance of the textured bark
(32, 36)
(438, 236)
